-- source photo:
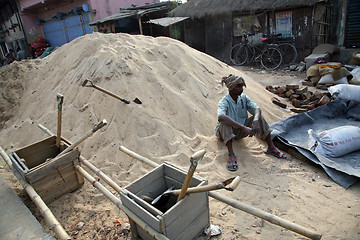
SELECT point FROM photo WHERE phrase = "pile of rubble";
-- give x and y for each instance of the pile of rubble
(300, 97)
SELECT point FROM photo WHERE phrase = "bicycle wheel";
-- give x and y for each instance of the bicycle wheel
(289, 53)
(233, 52)
(239, 54)
(271, 58)
(242, 55)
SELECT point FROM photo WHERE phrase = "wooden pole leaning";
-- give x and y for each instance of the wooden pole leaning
(45, 211)
(97, 171)
(60, 99)
(194, 160)
(87, 135)
(243, 207)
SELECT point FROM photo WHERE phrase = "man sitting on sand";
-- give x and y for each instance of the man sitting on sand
(233, 121)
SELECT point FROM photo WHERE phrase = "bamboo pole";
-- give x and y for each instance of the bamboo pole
(60, 99)
(243, 207)
(44, 210)
(118, 203)
(87, 135)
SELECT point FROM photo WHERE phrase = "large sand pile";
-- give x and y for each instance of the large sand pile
(179, 88)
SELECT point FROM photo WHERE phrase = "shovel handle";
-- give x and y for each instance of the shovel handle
(84, 82)
(199, 154)
(233, 185)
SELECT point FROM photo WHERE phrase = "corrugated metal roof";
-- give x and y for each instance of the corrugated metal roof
(167, 21)
(202, 8)
(124, 13)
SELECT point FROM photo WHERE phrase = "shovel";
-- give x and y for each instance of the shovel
(229, 184)
(87, 135)
(194, 160)
(108, 92)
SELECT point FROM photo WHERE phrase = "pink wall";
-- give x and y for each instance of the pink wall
(103, 8)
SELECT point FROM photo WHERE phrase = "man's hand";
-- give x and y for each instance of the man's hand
(249, 131)
(256, 127)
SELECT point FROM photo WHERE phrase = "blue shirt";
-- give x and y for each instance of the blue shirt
(237, 111)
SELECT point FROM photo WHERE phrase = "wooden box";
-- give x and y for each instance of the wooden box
(186, 219)
(50, 177)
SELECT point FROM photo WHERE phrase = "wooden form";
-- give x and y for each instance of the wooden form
(183, 220)
(50, 176)
(243, 207)
(45, 211)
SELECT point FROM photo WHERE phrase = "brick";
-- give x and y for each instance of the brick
(292, 86)
(324, 100)
(306, 95)
(294, 96)
(280, 90)
(288, 93)
(278, 102)
(307, 83)
(296, 103)
(301, 90)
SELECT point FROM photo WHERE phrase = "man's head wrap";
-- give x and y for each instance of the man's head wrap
(231, 81)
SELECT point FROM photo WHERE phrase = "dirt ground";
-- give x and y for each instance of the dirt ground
(180, 89)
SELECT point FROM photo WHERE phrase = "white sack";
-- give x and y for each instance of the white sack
(345, 92)
(335, 142)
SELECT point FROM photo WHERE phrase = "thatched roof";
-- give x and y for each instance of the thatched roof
(201, 8)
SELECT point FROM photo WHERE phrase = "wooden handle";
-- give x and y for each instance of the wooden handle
(233, 185)
(87, 135)
(199, 154)
(60, 99)
(185, 186)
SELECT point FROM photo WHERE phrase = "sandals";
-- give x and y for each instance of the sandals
(276, 152)
(232, 164)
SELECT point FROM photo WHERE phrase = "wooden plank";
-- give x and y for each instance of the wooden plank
(195, 227)
(191, 206)
(146, 180)
(38, 157)
(179, 175)
(140, 212)
(150, 208)
(175, 172)
(55, 185)
(38, 152)
(59, 189)
(154, 188)
(173, 182)
(33, 148)
(55, 177)
(43, 169)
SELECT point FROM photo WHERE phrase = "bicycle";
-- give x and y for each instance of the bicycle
(269, 55)
(285, 44)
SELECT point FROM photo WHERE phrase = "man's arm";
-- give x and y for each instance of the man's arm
(256, 123)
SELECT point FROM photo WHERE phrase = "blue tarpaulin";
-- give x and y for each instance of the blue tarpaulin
(293, 131)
